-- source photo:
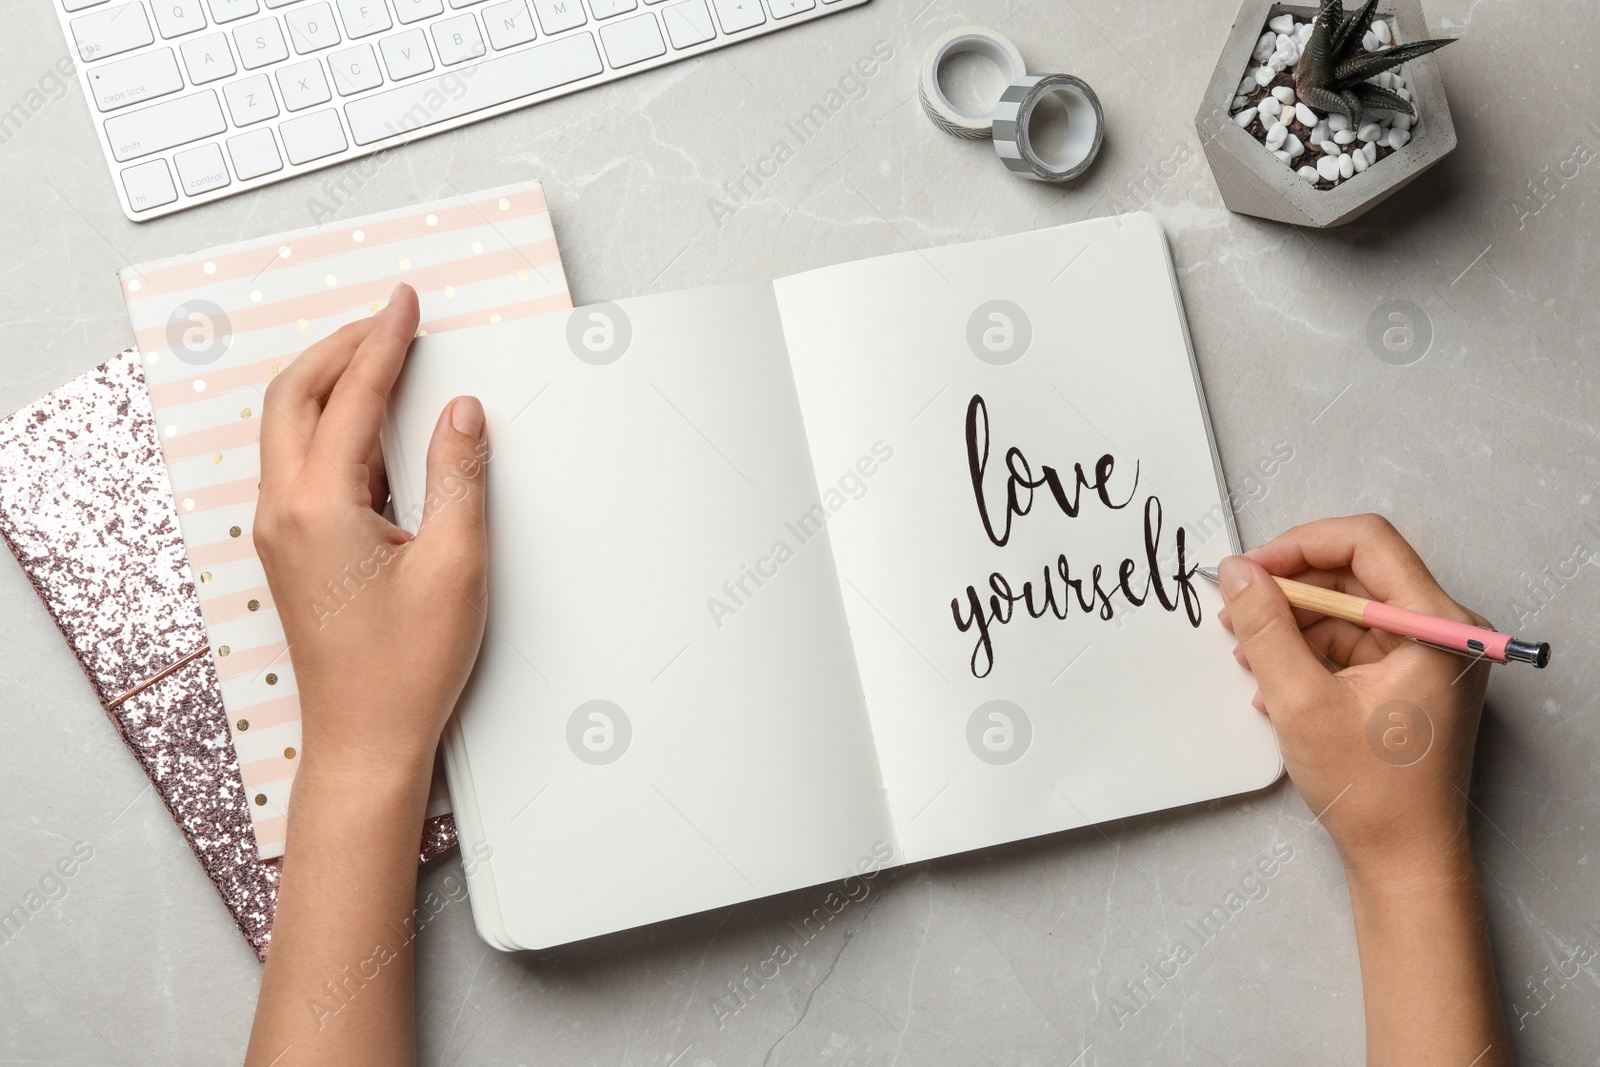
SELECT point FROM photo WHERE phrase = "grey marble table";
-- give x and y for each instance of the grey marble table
(1484, 452)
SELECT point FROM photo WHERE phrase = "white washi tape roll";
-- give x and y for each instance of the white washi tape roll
(945, 115)
(1014, 117)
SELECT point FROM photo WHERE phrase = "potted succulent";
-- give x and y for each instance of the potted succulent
(1316, 114)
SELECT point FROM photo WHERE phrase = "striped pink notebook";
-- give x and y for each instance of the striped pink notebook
(215, 327)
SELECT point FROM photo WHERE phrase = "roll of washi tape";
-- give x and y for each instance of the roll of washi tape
(1085, 131)
(946, 115)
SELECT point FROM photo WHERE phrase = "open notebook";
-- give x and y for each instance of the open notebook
(750, 627)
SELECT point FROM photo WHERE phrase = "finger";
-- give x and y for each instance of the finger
(348, 429)
(294, 400)
(1335, 640)
(1377, 556)
(453, 528)
(1290, 673)
(1258, 703)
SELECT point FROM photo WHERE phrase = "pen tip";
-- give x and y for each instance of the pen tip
(1208, 573)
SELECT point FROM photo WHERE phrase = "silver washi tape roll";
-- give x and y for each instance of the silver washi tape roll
(1084, 133)
(945, 115)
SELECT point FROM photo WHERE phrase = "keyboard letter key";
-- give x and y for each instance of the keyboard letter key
(111, 30)
(165, 125)
(688, 23)
(416, 10)
(312, 136)
(149, 185)
(558, 15)
(202, 169)
(228, 10)
(604, 9)
(249, 100)
(135, 79)
(260, 43)
(311, 28)
(632, 40)
(509, 24)
(254, 154)
(207, 58)
(494, 81)
(303, 84)
(174, 18)
(458, 39)
(355, 69)
(736, 15)
(406, 54)
(364, 17)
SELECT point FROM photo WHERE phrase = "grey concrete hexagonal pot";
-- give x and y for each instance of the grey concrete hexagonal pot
(1253, 182)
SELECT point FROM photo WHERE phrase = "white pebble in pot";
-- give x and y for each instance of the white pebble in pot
(1347, 166)
(1281, 24)
(1269, 106)
(1380, 30)
(1245, 117)
(1328, 167)
(1284, 94)
(1398, 139)
(1278, 134)
(1309, 174)
(1305, 115)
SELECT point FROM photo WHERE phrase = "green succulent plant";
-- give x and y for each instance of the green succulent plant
(1333, 71)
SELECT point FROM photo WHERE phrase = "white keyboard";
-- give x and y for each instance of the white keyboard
(200, 99)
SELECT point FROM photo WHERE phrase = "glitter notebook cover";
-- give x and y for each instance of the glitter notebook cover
(86, 509)
(214, 328)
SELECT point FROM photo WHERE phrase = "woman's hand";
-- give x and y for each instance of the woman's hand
(1376, 729)
(1377, 733)
(383, 627)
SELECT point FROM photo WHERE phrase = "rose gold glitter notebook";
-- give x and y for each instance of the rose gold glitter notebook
(86, 507)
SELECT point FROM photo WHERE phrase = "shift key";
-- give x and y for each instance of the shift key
(484, 84)
(166, 125)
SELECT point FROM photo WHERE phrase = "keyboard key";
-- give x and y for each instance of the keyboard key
(494, 81)
(303, 84)
(111, 31)
(782, 9)
(509, 24)
(273, 5)
(249, 100)
(355, 69)
(312, 136)
(604, 9)
(260, 43)
(414, 10)
(149, 185)
(688, 23)
(457, 39)
(228, 10)
(174, 18)
(79, 5)
(207, 58)
(312, 28)
(558, 15)
(201, 169)
(165, 125)
(135, 79)
(632, 40)
(254, 154)
(406, 54)
(464, 3)
(736, 15)
(362, 18)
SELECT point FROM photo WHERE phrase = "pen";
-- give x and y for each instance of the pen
(1459, 637)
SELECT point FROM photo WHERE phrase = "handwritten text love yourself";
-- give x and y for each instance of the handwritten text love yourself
(1064, 587)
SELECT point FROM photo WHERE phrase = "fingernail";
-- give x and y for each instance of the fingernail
(466, 415)
(1233, 574)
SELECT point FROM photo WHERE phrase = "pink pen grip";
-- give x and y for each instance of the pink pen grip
(1460, 636)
